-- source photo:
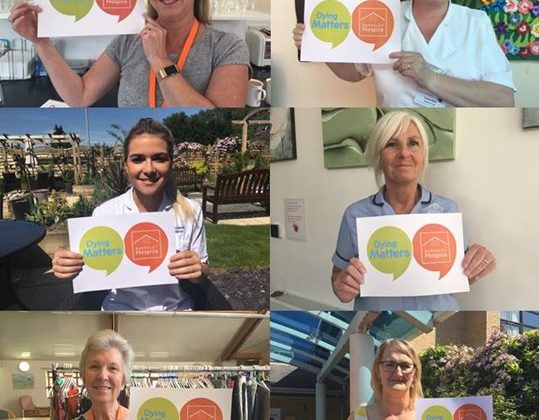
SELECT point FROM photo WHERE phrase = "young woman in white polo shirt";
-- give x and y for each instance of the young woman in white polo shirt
(148, 156)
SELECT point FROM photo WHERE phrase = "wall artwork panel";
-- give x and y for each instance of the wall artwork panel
(345, 133)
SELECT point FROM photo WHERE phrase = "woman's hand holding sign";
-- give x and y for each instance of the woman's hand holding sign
(66, 264)
(346, 282)
(478, 262)
(186, 265)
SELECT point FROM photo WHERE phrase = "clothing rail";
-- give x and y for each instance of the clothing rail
(199, 368)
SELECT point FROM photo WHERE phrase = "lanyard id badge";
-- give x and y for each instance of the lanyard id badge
(181, 63)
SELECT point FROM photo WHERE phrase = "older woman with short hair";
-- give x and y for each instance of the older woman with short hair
(105, 367)
(398, 152)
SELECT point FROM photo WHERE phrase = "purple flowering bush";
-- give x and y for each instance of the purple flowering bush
(224, 147)
(506, 367)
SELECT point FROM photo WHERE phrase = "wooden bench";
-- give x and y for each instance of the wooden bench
(244, 187)
(188, 177)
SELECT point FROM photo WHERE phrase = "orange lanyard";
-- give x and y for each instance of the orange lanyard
(91, 415)
(181, 63)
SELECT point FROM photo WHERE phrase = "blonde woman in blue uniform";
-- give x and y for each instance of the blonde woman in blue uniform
(398, 151)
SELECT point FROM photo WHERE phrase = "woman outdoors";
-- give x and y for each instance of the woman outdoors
(449, 57)
(396, 382)
(148, 157)
(398, 151)
(148, 66)
(105, 366)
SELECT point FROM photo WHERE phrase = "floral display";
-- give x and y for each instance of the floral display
(516, 24)
(506, 367)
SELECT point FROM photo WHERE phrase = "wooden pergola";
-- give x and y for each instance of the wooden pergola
(245, 126)
(53, 141)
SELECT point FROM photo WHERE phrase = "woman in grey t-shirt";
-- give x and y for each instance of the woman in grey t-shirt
(215, 72)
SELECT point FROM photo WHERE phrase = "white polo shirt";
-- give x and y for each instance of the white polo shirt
(464, 46)
(164, 297)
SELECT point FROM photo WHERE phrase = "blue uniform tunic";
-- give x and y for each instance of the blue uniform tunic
(347, 246)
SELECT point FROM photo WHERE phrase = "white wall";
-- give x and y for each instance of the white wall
(313, 84)
(493, 178)
(9, 397)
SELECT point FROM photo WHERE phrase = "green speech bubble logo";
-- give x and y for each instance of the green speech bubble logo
(436, 412)
(389, 250)
(158, 408)
(77, 8)
(330, 22)
(102, 248)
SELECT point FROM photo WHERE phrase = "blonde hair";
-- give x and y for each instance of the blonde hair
(393, 124)
(104, 340)
(416, 391)
(201, 10)
(181, 207)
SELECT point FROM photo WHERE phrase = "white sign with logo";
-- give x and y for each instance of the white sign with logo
(61, 18)
(176, 404)
(412, 255)
(122, 251)
(461, 408)
(351, 31)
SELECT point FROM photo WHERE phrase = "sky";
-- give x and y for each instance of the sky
(17, 121)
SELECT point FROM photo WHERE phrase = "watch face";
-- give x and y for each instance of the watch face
(170, 70)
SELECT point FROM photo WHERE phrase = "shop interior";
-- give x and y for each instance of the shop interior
(40, 351)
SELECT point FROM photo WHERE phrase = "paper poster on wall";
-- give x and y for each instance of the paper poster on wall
(275, 413)
(22, 380)
(461, 408)
(176, 404)
(295, 219)
(412, 255)
(351, 31)
(89, 17)
(122, 251)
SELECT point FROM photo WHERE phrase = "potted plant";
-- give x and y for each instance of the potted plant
(10, 181)
(68, 181)
(85, 185)
(20, 203)
(52, 214)
(42, 178)
(41, 192)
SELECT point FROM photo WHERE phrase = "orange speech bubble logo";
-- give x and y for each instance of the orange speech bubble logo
(372, 22)
(146, 244)
(201, 409)
(120, 8)
(435, 248)
(471, 412)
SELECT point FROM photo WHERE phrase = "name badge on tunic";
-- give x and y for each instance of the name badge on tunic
(426, 99)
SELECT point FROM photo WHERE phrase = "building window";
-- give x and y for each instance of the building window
(517, 322)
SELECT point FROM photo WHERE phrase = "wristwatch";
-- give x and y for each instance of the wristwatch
(167, 71)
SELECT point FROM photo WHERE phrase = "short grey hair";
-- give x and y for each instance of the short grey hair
(391, 124)
(104, 340)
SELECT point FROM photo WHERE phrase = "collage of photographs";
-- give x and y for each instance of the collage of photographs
(182, 238)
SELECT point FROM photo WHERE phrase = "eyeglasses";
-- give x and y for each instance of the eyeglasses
(390, 366)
